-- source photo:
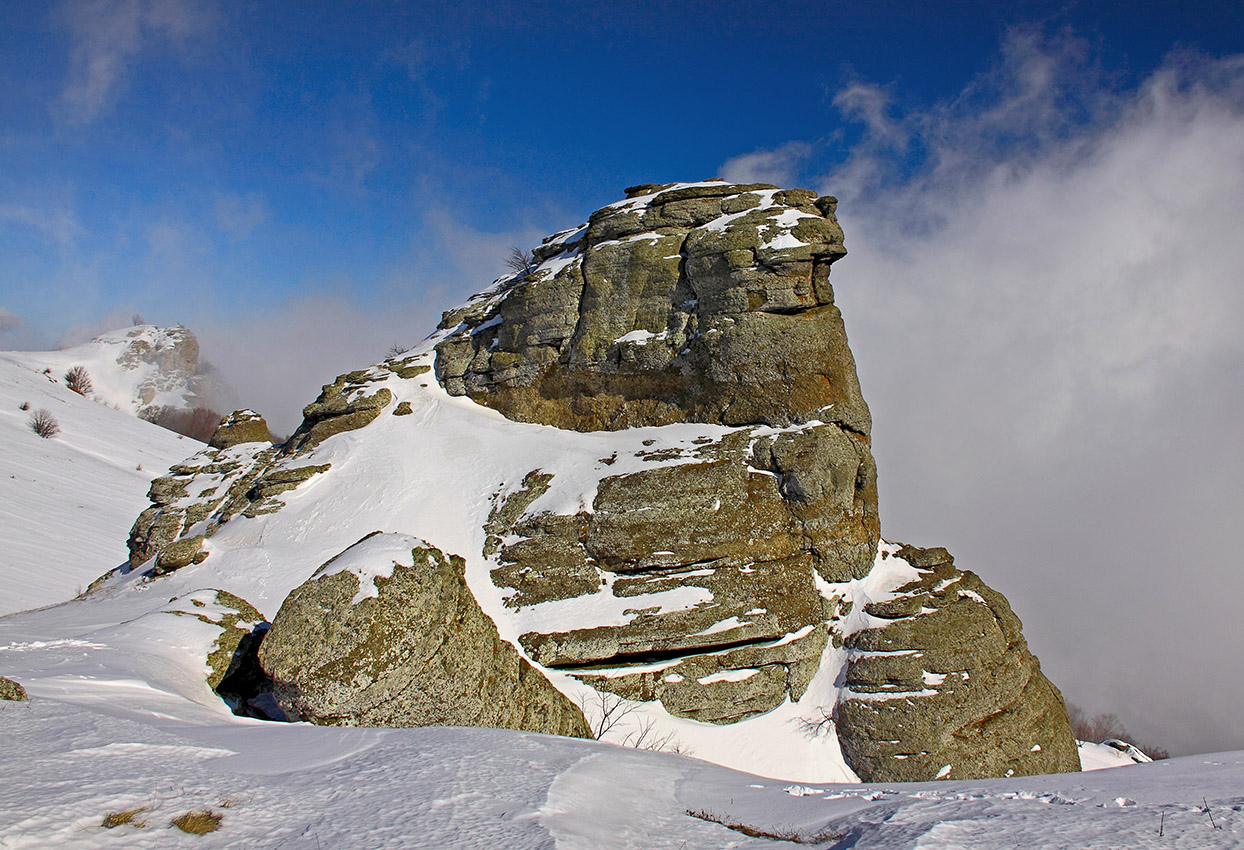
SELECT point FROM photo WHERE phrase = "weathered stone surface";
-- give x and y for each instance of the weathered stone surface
(949, 681)
(672, 306)
(11, 690)
(241, 426)
(420, 652)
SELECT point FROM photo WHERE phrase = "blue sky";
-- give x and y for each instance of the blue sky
(184, 158)
(1042, 204)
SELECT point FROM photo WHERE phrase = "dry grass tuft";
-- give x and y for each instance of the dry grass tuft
(775, 834)
(130, 816)
(198, 822)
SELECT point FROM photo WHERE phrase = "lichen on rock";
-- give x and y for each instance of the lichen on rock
(945, 687)
(388, 634)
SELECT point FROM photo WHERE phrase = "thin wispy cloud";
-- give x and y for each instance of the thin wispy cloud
(108, 37)
(779, 166)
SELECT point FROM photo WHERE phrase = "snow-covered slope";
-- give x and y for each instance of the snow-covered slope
(121, 716)
(68, 502)
(297, 787)
(131, 369)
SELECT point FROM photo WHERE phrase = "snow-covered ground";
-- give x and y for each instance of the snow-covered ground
(67, 503)
(69, 764)
(121, 717)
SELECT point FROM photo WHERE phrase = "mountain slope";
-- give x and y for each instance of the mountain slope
(68, 501)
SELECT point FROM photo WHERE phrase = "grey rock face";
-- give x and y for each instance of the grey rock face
(946, 687)
(706, 303)
(420, 652)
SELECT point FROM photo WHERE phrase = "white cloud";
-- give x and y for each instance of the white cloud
(107, 38)
(1047, 317)
(778, 167)
(56, 222)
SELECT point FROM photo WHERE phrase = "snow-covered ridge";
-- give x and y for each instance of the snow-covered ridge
(131, 369)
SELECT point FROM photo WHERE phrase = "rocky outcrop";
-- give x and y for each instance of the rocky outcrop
(702, 303)
(168, 360)
(388, 634)
(241, 426)
(201, 494)
(717, 560)
(945, 687)
(241, 473)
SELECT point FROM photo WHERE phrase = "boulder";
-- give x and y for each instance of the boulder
(241, 426)
(944, 687)
(388, 634)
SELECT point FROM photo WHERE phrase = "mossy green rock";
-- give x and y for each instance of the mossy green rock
(420, 652)
(241, 426)
(11, 690)
(946, 687)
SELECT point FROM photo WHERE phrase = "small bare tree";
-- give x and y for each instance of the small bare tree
(520, 261)
(43, 423)
(79, 380)
(815, 727)
(397, 348)
(604, 711)
(137, 319)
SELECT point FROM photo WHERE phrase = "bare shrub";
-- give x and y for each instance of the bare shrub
(79, 380)
(520, 261)
(815, 727)
(197, 424)
(43, 423)
(1103, 727)
(397, 348)
(604, 711)
(137, 319)
(1095, 729)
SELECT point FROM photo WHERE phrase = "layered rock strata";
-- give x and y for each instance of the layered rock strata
(704, 303)
(944, 685)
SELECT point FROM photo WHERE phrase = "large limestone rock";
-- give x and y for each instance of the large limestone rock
(705, 303)
(945, 687)
(388, 634)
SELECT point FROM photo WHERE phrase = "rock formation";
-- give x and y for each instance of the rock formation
(945, 686)
(712, 303)
(688, 524)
